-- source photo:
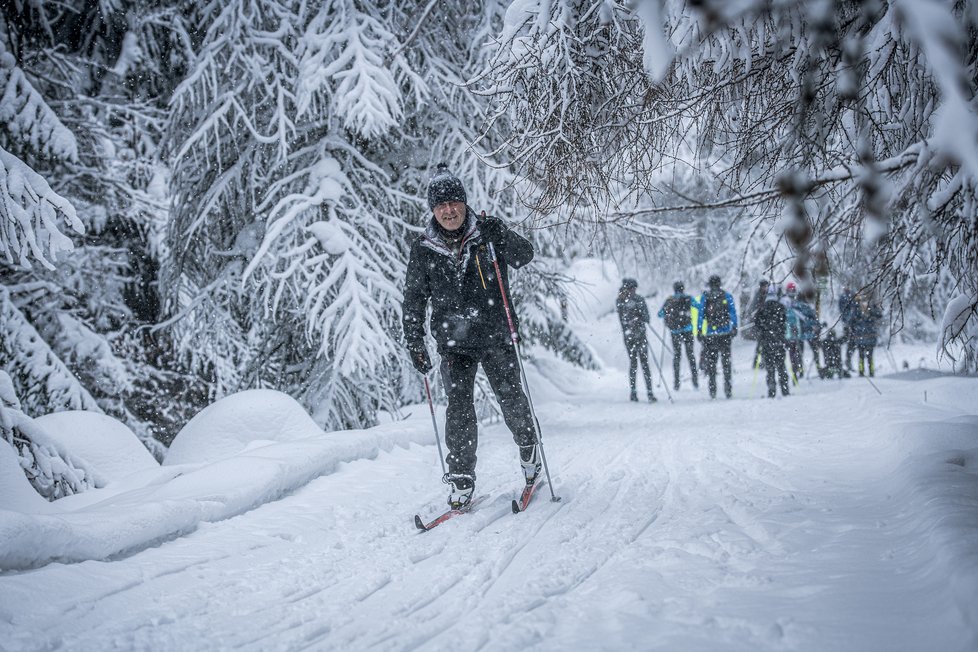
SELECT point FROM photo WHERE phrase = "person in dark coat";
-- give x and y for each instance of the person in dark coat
(677, 313)
(716, 328)
(832, 356)
(450, 268)
(633, 313)
(760, 296)
(865, 322)
(847, 311)
(769, 326)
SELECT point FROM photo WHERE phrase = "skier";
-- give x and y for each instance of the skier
(633, 313)
(769, 325)
(755, 304)
(832, 356)
(798, 329)
(760, 296)
(864, 323)
(716, 328)
(847, 307)
(677, 313)
(450, 268)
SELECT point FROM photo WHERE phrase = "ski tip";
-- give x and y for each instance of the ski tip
(516, 507)
(418, 523)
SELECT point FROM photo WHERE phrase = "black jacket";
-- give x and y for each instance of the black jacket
(633, 313)
(467, 314)
(769, 323)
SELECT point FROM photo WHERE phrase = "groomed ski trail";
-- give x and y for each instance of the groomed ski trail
(701, 525)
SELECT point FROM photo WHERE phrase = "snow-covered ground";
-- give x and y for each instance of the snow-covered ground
(840, 518)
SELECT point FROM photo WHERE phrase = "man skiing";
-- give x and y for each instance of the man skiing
(677, 313)
(451, 269)
(865, 321)
(718, 311)
(760, 296)
(847, 311)
(633, 313)
(769, 326)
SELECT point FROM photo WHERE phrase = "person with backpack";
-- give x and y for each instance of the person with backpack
(716, 327)
(633, 313)
(451, 270)
(769, 326)
(865, 322)
(805, 328)
(847, 310)
(677, 313)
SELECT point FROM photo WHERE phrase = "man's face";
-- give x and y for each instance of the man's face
(450, 215)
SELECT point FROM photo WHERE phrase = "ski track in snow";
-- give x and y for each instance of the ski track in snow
(746, 524)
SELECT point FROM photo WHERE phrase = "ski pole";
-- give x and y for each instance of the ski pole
(662, 349)
(661, 339)
(659, 367)
(526, 387)
(434, 422)
(869, 380)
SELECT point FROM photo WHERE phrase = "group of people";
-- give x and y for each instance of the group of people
(781, 322)
(711, 318)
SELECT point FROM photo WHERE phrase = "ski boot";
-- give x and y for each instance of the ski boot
(530, 461)
(463, 487)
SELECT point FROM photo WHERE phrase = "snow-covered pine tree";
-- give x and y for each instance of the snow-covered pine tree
(99, 70)
(32, 215)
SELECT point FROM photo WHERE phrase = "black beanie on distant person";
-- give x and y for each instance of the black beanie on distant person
(444, 186)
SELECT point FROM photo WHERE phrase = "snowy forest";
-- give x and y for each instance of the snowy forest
(198, 198)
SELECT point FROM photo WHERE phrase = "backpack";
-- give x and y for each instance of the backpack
(715, 310)
(677, 313)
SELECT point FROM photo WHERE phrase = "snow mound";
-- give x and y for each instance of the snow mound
(237, 422)
(103, 444)
(16, 493)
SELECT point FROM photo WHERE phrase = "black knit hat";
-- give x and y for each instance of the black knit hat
(629, 283)
(443, 187)
(714, 281)
(678, 286)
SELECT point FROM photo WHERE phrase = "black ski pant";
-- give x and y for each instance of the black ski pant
(678, 340)
(795, 351)
(814, 344)
(638, 353)
(850, 347)
(502, 368)
(866, 360)
(773, 354)
(718, 347)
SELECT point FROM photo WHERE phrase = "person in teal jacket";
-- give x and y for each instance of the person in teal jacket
(718, 311)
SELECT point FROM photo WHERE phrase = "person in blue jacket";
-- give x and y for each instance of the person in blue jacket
(718, 310)
(677, 313)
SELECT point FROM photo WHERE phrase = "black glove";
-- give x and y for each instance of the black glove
(420, 360)
(492, 229)
(733, 333)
